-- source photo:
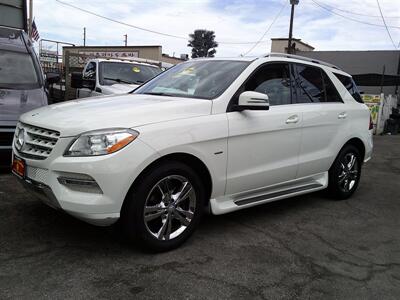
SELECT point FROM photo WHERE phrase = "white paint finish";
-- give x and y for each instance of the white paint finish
(322, 136)
(245, 152)
(263, 148)
(204, 137)
(126, 111)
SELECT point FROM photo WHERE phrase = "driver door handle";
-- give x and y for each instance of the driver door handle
(342, 115)
(292, 119)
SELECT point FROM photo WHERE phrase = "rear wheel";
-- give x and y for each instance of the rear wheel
(165, 207)
(344, 175)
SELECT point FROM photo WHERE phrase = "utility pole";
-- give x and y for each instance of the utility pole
(293, 3)
(30, 19)
(126, 40)
(84, 36)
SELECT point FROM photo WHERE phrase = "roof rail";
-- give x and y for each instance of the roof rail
(272, 54)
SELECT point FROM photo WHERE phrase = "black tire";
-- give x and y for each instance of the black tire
(339, 174)
(147, 189)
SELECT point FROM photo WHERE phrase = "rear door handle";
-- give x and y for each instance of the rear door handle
(342, 115)
(292, 119)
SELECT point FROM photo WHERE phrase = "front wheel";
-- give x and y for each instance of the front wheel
(165, 207)
(344, 174)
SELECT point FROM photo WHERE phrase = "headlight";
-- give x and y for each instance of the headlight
(101, 142)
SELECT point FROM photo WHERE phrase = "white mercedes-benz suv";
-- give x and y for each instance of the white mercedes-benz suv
(216, 134)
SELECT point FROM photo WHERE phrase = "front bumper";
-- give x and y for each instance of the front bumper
(114, 174)
(41, 191)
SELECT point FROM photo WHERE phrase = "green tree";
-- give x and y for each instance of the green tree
(203, 43)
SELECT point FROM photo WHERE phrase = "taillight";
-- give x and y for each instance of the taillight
(371, 124)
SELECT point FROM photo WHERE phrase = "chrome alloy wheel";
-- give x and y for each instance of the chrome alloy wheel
(348, 172)
(169, 207)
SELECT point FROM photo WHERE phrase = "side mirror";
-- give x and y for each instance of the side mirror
(77, 81)
(52, 77)
(252, 101)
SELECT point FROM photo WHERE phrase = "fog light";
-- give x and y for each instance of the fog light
(80, 183)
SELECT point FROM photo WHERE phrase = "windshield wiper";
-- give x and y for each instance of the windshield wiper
(118, 80)
(158, 94)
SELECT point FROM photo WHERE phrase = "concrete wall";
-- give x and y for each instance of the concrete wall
(361, 62)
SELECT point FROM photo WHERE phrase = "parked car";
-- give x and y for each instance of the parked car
(22, 85)
(111, 76)
(222, 134)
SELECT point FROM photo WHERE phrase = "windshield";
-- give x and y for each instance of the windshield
(116, 72)
(17, 71)
(196, 79)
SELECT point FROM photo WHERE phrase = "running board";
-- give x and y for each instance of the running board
(278, 194)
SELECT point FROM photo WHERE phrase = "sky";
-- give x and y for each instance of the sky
(233, 21)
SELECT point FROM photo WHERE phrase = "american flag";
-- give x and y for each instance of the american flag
(34, 32)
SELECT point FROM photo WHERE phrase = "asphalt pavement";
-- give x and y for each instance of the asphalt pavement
(307, 247)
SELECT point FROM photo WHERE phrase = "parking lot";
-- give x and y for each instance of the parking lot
(305, 247)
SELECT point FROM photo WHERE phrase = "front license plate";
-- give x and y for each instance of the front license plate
(18, 166)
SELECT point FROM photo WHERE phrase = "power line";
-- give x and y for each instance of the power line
(268, 29)
(119, 22)
(349, 18)
(384, 22)
(352, 12)
(145, 29)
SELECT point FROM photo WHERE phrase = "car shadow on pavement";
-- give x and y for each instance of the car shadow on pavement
(34, 223)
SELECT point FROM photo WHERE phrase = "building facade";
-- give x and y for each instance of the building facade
(145, 52)
(368, 64)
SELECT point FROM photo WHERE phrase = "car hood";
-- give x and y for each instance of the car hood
(122, 111)
(118, 88)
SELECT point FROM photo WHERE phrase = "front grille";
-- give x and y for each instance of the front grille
(37, 142)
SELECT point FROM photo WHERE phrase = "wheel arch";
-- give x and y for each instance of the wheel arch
(359, 144)
(189, 159)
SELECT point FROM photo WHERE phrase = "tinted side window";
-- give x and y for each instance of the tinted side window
(310, 84)
(90, 71)
(350, 85)
(273, 80)
(331, 92)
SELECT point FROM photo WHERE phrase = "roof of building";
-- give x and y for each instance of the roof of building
(293, 39)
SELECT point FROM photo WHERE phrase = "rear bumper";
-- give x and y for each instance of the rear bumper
(369, 146)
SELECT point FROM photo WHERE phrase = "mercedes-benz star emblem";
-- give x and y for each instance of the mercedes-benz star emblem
(20, 139)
